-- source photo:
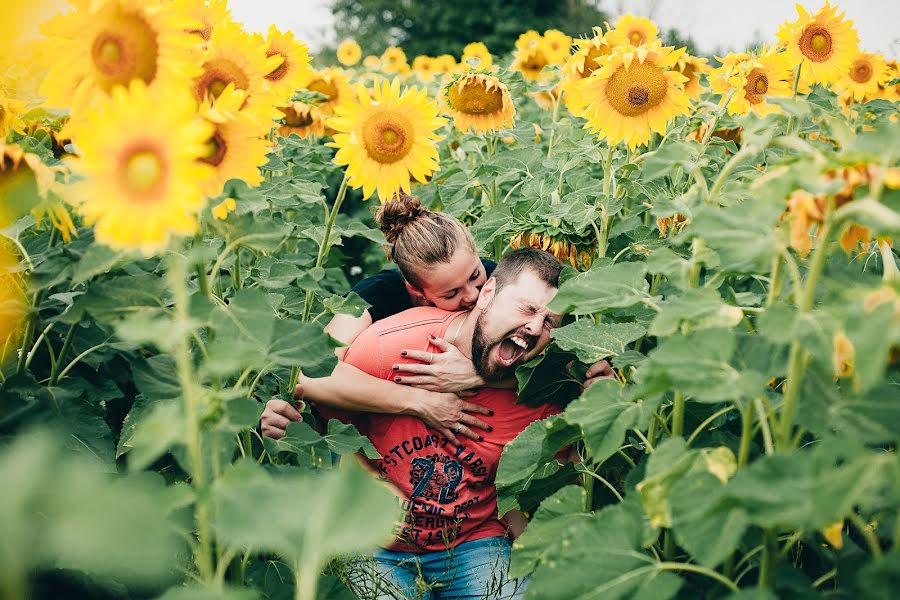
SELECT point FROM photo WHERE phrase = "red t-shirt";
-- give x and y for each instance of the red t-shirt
(448, 491)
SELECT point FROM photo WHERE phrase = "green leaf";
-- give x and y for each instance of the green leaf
(351, 304)
(329, 513)
(695, 309)
(547, 379)
(595, 342)
(209, 592)
(602, 288)
(96, 260)
(742, 235)
(604, 415)
(303, 440)
(109, 300)
(153, 435)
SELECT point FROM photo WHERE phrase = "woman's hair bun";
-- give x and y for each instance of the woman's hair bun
(392, 217)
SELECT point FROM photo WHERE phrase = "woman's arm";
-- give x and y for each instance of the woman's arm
(348, 388)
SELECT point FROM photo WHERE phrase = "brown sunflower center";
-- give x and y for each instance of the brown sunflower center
(636, 90)
(281, 70)
(295, 118)
(324, 87)
(535, 61)
(757, 86)
(144, 172)
(216, 148)
(861, 71)
(387, 136)
(217, 74)
(476, 99)
(816, 44)
(123, 50)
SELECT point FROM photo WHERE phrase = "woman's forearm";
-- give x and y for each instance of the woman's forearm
(348, 388)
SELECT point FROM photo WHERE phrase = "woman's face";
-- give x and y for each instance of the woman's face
(453, 285)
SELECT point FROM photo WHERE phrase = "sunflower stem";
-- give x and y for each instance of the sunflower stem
(678, 415)
(325, 247)
(729, 167)
(557, 102)
(604, 213)
(790, 123)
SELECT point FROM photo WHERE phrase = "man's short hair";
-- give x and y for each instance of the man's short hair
(543, 264)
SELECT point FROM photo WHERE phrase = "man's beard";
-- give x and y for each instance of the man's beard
(481, 350)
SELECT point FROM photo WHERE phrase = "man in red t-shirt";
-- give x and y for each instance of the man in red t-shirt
(452, 535)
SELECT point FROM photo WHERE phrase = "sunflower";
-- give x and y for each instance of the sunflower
(140, 156)
(480, 102)
(476, 56)
(220, 211)
(372, 62)
(753, 80)
(528, 40)
(556, 46)
(302, 120)
(805, 210)
(425, 67)
(531, 63)
(867, 74)
(24, 182)
(393, 60)
(13, 301)
(349, 53)
(844, 356)
(823, 45)
(891, 92)
(206, 15)
(547, 99)
(387, 138)
(58, 214)
(583, 61)
(237, 147)
(577, 252)
(333, 84)
(101, 45)
(636, 30)
(234, 57)
(692, 67)
(294, 69)
(634, 92)
(11, 111)
(674, 222)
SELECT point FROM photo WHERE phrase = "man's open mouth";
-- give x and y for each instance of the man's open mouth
(512, 348)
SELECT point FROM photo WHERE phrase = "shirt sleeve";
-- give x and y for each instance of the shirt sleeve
(385, 292)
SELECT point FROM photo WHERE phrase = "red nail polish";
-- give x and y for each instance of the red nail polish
(490, 428)
(490, 413)
(397, 379)
(396, 368)
(403, 353)
(480, 438)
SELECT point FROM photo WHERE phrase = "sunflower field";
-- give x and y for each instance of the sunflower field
(184, 205)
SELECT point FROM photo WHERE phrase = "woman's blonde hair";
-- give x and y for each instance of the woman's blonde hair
(417, 237)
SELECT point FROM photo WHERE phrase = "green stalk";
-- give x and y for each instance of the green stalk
(797, 360)
(667, 566)
(867, 533)
(746, 434)
(325, 247)
(237, 269)
(775, 283)
(29, 330)
(184, 367)
(790, 124)
(726, 171)
(768, 558)
(697, 247)
(604, 214)
(54, 371)
(552, 140)
(678, 415)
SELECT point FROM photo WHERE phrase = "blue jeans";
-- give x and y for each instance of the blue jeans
(474, 570)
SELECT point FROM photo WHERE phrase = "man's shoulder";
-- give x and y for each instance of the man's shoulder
(425, 317)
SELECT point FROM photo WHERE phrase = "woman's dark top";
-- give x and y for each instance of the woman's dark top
(387, 294)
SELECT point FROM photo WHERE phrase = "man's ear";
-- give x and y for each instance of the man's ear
(488, 290)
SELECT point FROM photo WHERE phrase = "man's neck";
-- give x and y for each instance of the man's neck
(464, 331)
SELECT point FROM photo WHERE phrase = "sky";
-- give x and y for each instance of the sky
(717, 25)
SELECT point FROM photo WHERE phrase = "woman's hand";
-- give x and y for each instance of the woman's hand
(449, 415)
(446, 371)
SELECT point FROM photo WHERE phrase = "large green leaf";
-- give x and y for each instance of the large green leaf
(549, 379)
(695, 309)
(592, 342)
(302, 440)
(604, 287)
(742, 235)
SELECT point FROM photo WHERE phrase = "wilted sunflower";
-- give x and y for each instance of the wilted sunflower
(294, 69)
(480, 102)
(11, 111)
(349, 53)
(476, 56)
(636, 30)
(393, 60)
(301, 119)
(692, 67)
(425, 67)
(13, 301)
(237, 148)
(753, 80)
(531, 62)
(387, 138)
(547, 99)
(101, 45)
(556, 46)
(234, 57)
(577, 252)
(24, 182)
(333, 84)
(633, 93)
(140, 156)
(205, 16)
(822, 44)
(867, 74)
